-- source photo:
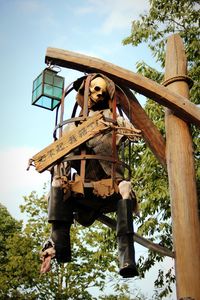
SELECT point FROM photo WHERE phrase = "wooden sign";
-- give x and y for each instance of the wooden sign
(55, 151)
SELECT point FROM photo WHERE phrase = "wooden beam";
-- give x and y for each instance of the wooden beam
(138, 239)
(182, 184)
(140, 119)
(178, 103)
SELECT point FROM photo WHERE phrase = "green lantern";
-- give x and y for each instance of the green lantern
(47, 89)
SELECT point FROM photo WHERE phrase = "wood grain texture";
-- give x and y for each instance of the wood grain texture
(139, 118)
(182, 183)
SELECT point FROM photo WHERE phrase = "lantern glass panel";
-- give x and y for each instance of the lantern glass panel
(37, 93)
(57, 92)
(48, 90)
(58, 81)
(49, 77)
(37, 81)
(55, 103)
(44, 102)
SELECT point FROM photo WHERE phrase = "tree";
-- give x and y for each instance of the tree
(8, 227)
(14, 269)
(150, 179)
(94, 258)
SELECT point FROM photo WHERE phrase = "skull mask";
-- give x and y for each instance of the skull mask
(98, 89)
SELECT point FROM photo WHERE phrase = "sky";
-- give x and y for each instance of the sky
(91, 27)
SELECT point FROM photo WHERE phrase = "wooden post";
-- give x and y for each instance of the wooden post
(182, 183)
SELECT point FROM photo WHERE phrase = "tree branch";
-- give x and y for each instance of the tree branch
(138, 239)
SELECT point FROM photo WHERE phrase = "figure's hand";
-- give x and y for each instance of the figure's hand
(48, 252)
(46, 257)
(125, 127)
(126, 191)
(46, 265)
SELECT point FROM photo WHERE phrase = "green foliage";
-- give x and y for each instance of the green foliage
(19, 264)
(94, 258)
(8, 227)
(149, 177)
(121, 295)
(164, 18)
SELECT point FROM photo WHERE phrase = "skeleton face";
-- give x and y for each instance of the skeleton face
(98, 89)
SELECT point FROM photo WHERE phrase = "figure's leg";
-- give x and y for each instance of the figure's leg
(60, 235)
(60, 215)
(125, 238)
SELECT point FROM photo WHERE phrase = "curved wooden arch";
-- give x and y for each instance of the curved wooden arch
(184, 109)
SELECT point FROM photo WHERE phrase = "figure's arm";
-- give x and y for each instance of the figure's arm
(126, 128)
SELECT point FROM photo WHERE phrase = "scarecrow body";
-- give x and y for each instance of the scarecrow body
(97, 185)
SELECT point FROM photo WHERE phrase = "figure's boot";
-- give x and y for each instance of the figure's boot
(60, 215)
(60, 235)
(125, 239)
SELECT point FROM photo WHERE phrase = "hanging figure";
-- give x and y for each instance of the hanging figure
(98, 185)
